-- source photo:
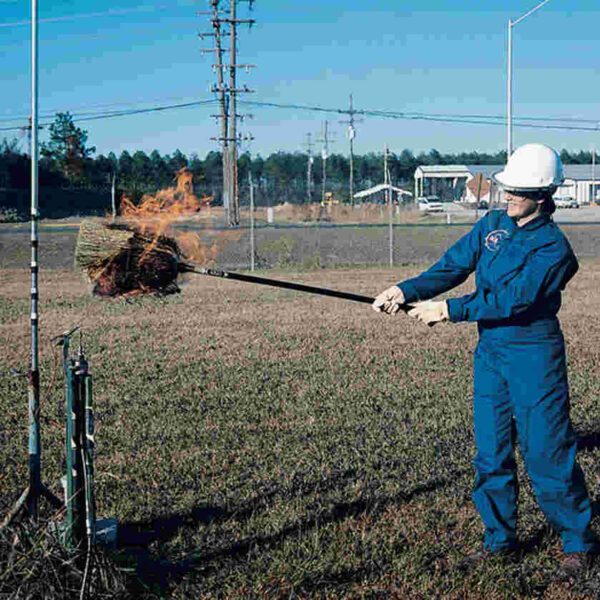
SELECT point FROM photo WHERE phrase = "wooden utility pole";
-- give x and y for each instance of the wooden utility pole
(324, 152)
(113, 196)
(309, 168)
(593, 201)
(388, 200)
(227, 93)
(252, 251)
(351, 136)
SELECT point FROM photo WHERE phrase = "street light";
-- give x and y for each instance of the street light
(511, 24)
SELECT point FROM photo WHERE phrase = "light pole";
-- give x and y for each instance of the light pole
(509, 93)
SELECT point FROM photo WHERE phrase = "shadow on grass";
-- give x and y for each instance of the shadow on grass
(159, 574)
(143, 533)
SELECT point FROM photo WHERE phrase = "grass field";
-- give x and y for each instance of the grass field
(254, 442)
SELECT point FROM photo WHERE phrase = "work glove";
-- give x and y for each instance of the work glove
(430, 312)
(389, 300)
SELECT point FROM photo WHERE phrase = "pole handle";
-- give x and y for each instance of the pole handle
(186, 268)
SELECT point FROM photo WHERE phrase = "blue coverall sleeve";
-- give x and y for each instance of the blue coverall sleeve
(544, 273)
(457, 263)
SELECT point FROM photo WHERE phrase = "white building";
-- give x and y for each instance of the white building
(449, 182)
(400, 194)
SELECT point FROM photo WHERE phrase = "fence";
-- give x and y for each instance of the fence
(312, 236)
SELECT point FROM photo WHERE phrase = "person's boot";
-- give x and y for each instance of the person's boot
(484, 554)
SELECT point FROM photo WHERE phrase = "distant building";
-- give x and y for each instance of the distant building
(376, 193)
(449, 182)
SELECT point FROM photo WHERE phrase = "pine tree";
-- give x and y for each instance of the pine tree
(66, 148)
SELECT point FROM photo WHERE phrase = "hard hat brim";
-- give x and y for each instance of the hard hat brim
(500, 178)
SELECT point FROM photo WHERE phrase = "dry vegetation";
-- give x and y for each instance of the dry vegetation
(254, 442)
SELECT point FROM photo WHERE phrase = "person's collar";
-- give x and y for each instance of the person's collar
(540, 220)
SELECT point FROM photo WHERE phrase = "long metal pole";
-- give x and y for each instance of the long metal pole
(324, 163)
(511, 24)
(509, 94)
(299, 287)
(309, 170)
(351, 136)
(34, 374)
(388, 197)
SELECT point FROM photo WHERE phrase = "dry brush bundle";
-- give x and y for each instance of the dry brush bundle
(122, 260)
(137, 256)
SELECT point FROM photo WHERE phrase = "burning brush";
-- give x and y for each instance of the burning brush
(121, 260)
(138, 257)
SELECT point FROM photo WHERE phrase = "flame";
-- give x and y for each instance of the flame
(195, 249)
(154, 214)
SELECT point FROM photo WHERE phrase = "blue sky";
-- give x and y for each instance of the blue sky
(422, 56)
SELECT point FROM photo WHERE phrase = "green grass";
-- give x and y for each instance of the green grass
(254, 442)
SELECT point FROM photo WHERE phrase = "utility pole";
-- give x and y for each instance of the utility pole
(252, 252)
(227, 93)
(388, 199)
(309, 146)
(28, 128)
(351, 136)
(113, 196)
(325, 150)
(593, 175)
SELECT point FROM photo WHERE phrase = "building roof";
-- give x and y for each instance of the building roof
(379, 188)
(577, 172)
(435, 169)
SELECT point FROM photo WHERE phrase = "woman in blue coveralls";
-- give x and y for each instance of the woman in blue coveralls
(522, 262)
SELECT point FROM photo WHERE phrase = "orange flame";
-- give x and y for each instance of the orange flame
(154, 214)
(201, 252)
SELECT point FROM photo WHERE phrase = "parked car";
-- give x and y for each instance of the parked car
(430, 204)
(566, 202)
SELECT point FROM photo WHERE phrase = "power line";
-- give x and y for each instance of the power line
(469, 120)
(106, 13)
(484, 120)
(405, 114)
(79, 112)
(124, 113)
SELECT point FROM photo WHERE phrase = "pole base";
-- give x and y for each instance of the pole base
(105, 532)
(24, 500)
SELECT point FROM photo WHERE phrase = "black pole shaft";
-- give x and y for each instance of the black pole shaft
(285, 284)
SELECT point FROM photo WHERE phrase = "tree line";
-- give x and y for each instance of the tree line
(67, 163)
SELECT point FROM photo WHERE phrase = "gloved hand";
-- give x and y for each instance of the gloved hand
(389, 300)
(430, 312)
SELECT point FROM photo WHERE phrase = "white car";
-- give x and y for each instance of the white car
(566, 202)
(430, 204)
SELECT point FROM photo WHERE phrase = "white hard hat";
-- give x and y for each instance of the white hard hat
(532, 167)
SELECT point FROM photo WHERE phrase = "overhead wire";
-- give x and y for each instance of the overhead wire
(121, 113)
(106, 13)
(467, 119)
(551, 122)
